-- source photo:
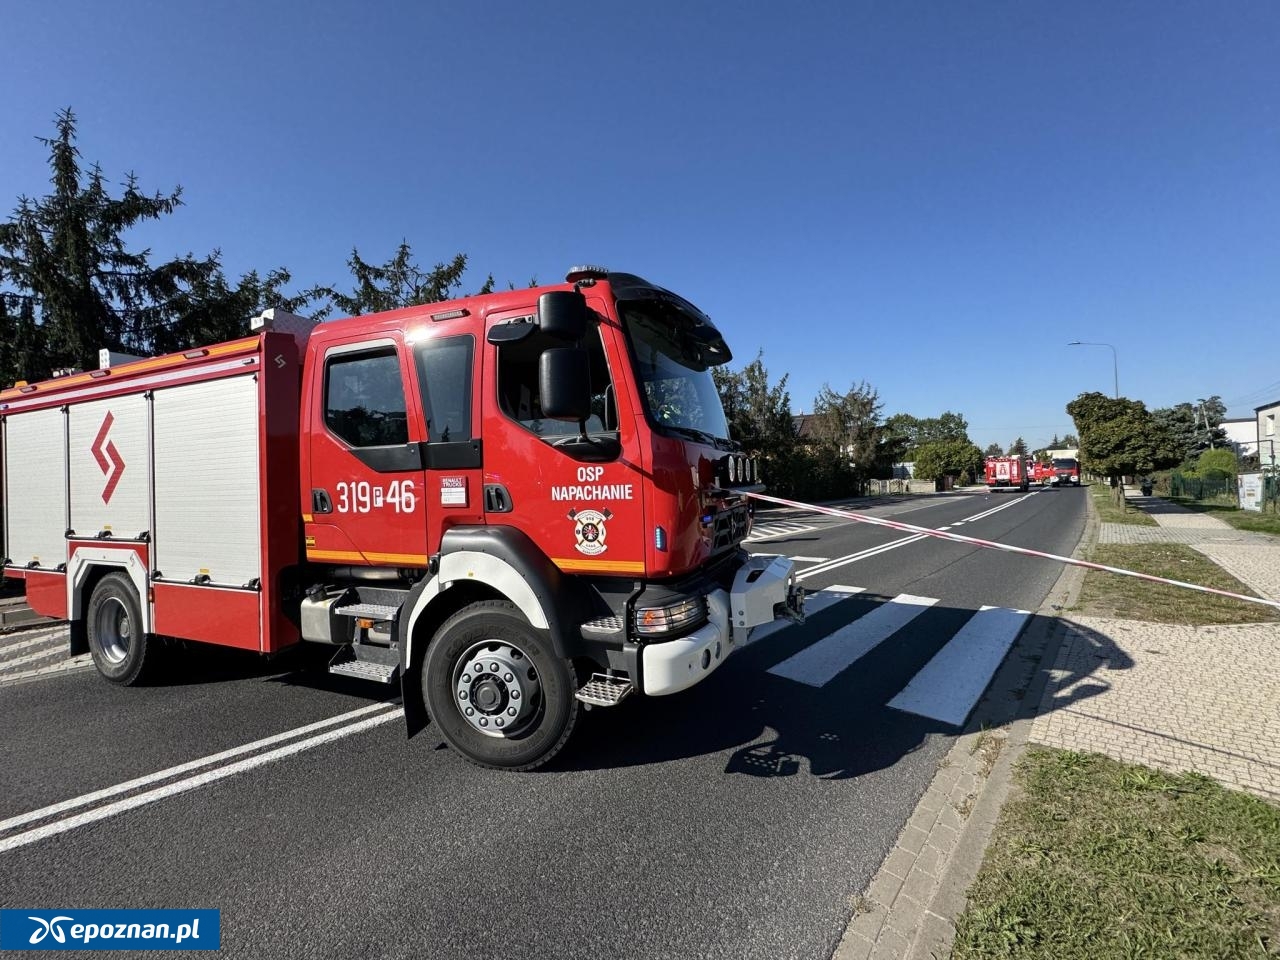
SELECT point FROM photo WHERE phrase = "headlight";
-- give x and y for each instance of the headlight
(671, 618)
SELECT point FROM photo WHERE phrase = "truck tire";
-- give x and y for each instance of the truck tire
(498, 692)
(120, 649)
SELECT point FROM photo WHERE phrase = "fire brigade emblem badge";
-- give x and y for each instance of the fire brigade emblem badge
(589, 531)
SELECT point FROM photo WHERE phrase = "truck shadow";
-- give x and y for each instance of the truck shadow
(763, 725)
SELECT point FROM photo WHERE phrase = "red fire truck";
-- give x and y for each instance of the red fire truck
(1066, 472)
(1007, 472)
(513, 504)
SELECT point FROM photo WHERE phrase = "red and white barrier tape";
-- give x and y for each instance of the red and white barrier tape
(1008, 548)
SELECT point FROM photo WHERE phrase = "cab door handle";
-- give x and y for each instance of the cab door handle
(320, 502)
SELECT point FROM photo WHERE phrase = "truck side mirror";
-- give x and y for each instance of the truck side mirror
(563, 314)
(564, 383)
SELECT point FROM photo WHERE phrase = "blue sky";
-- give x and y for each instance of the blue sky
(934, 198)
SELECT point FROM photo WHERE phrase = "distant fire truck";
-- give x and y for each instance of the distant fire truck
(1066, 472)
(514, 504)
(1007, 472)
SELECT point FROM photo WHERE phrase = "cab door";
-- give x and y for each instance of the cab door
(366, 493)
(448, 388)
(585, 514)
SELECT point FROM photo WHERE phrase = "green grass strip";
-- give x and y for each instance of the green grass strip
(1094, 859)
(1110, 509)
(1126, 598)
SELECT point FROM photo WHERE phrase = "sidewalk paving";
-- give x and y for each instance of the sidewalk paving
(1171, 697)
(1177, 698)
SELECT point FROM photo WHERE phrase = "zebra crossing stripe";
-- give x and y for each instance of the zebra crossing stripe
(62, 666)
(949, 685)
(58, 649)
(774, 530)
(23, 640)
(813, 603)
(819, 663)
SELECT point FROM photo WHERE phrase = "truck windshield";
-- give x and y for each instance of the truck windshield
(673, 365)
(1064, 464)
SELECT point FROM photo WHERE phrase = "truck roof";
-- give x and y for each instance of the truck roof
(622, 285)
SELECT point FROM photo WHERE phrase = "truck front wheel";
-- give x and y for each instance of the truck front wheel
(497, 691)
(114, 625)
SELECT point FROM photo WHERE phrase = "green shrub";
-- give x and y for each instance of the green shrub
(1217, 461)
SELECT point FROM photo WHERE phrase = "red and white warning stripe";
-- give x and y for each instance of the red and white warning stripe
(1008, 548)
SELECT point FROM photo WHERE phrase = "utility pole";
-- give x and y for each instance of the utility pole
(1205, 413)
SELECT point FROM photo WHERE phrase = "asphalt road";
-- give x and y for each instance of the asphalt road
(735, 820)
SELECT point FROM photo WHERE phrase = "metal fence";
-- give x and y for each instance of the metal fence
(1202, 488)
(1224, 488)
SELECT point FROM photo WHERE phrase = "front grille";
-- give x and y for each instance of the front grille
(730, 527)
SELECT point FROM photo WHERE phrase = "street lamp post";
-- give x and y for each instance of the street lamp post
(1115, 363)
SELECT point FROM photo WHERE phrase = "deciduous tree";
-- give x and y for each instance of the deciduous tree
(918, 430)
(848, 426)
(759, 415)
(947, 458)
(1120, 436)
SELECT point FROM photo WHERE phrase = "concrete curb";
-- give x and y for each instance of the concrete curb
(911, 905)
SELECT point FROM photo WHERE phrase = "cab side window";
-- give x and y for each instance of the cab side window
(518, 385)
(444, 371)
(364, 398)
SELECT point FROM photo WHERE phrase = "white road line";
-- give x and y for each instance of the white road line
(127, 786)
(1004, 506)
(944, 528)
(819, 663)
(59, 633)
(64, 666)
(808, 559)
(855, 557)
(191, 783)
(59, 650)
(775, 530)
(949, 685)
(813, 603)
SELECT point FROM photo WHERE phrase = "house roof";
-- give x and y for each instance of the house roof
(803, 425)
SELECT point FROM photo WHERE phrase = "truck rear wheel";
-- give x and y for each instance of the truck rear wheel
(119, 647)
(497, 691)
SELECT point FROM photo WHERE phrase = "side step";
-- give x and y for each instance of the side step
(366, 662)
(611, 626)
(370, 611)
(604, 691)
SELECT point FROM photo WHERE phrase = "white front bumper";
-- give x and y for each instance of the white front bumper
(674, 665)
